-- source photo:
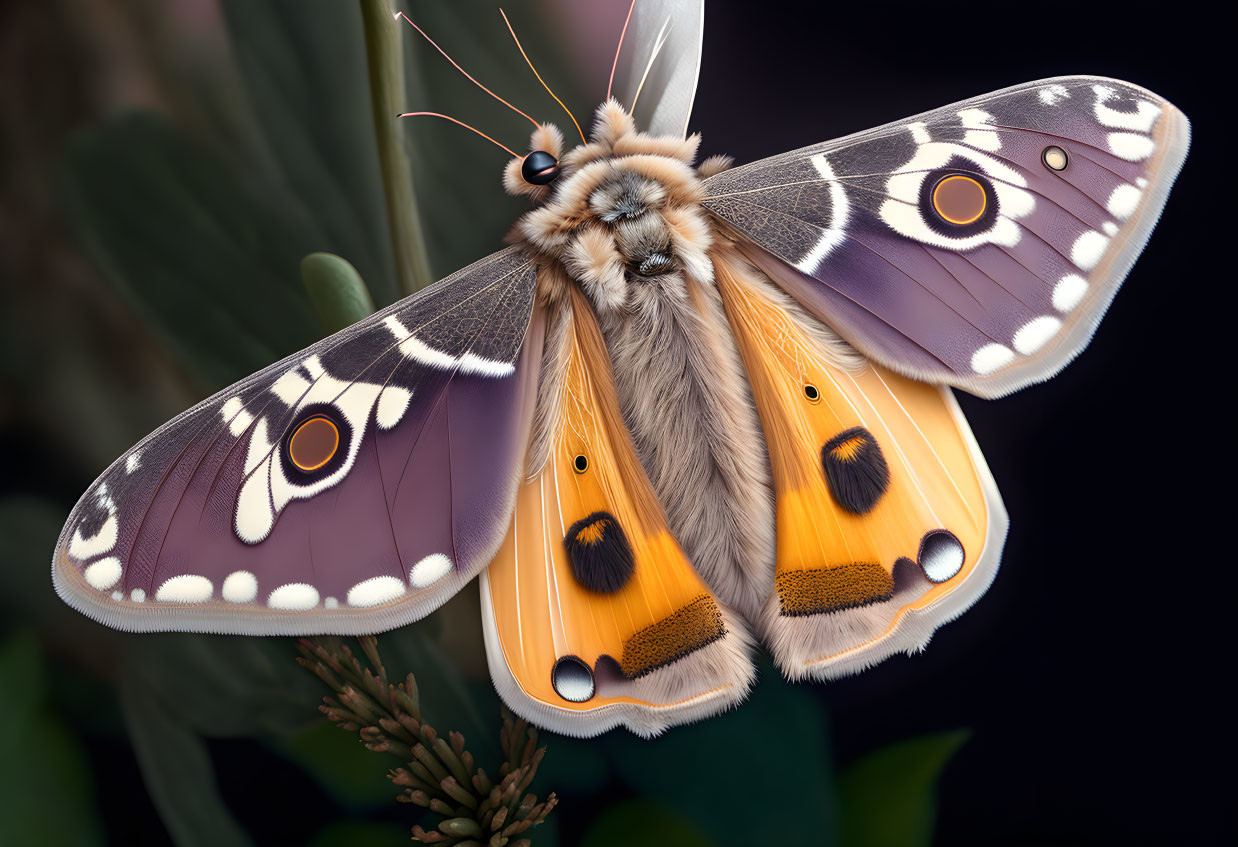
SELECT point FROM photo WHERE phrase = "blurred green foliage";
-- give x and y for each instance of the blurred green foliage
(239, 231)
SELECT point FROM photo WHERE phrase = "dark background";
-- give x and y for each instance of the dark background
(1091, 672)
(1091, 675)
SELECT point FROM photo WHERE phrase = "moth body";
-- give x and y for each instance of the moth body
(636, 241)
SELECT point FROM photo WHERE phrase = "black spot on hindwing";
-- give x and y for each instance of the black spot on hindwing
(855, 470)
(601, 557)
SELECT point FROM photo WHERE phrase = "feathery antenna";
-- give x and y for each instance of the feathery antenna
(413, 24)
(611, 84)
(539, 77)
(463, 124)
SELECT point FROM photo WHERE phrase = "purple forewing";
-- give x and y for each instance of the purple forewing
(851, 230)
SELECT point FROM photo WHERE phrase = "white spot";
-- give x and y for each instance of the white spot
(919, 132)
(1068, 292)
(1110, 228)
(1051, 95)
(235, 416)
(979, 135)
(472, 364)
(138, 595)
(392, 403)
(1123, 201)
(133, 462)
(331, 603)
(1032, 335)
(417, 350)
(254, 516)
(313, 366)
(240, 587)
(1129, 146)
(991, 357)
(82, 548)
(1088, 249)
(397, 328)
(429, 570)
(290, 387)
(375, 591)
(118, 596)
(104, 573)
(293, 597)
(186, 588)
(1141, 182)
(1141, 120)
(840, 211)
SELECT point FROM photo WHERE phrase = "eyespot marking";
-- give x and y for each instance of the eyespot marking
(941, 555)
(812, 394)
(959, 199)
(572, 679)
(580, 464)
(313, 443)
(1055, 158)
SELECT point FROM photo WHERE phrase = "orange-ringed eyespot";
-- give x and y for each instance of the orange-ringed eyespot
(811, 392)
(580, 464)
(313, 443)
(539, 168)
(959, 199)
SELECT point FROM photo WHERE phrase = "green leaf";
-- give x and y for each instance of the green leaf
(889, 797)
(205, 254)
(40, 760)
(757, 775)
(304, 68)
(642, 822)
(178, 773)
(336, 290)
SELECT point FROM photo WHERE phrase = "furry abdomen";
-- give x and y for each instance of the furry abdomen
(687, 404)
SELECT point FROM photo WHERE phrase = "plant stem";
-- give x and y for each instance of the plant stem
(384, 58)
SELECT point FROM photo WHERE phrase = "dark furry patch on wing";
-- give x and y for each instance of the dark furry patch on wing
(600, 554)
(855, 469)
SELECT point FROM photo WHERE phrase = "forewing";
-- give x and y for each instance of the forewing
(593, 616)
(350, 488)
(888, 521)
(661, 59)
(949, 246)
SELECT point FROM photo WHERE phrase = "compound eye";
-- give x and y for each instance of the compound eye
(959, 199)
(539, 168)
(313, 443)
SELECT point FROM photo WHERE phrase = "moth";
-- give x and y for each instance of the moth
(690, 408)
